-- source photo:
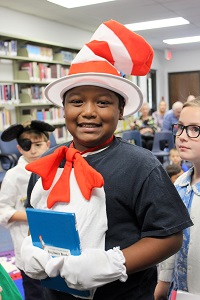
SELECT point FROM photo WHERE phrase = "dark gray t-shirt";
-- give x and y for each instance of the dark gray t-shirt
(141, 201)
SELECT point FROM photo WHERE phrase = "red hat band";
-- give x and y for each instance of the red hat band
(93, 66)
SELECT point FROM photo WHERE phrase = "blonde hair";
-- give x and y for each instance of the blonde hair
(192, 103)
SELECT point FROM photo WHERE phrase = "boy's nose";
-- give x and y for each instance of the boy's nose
(33, 148)
(89, 109)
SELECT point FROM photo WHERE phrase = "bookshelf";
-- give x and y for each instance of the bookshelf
(26, 67)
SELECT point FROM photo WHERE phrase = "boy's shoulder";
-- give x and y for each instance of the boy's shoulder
(51, 150)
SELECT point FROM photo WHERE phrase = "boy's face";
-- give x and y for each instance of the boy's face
(189, 148)
(175, 157)
(38, 147)
(91, 115)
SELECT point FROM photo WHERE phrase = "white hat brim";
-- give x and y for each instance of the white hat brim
(131, 92)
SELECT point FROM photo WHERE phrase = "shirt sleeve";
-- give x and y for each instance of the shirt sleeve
(8, 199)
(166, 269)
(160, 210)
(166, 123)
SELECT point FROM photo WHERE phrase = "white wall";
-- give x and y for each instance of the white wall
(16, 23)
(160, 75)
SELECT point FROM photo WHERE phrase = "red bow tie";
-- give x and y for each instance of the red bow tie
(46, 167)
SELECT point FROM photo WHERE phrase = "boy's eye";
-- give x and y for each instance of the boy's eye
(74, 99)
(103, 102)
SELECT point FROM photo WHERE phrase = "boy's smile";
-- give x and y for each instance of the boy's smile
(91, 115)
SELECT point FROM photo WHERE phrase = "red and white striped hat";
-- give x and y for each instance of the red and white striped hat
(112, 50)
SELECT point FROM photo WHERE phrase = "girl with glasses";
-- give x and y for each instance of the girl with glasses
(182, 271)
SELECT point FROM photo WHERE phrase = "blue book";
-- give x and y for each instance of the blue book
(56, 232)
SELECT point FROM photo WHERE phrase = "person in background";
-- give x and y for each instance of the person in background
(126, 207)
(182, 271)
(8, 289)
(174, 158)
(158, 115)
(146, 126)
(33, 140)
(190, 97)
(174, 171)
(171, 117)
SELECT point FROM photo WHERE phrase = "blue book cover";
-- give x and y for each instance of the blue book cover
(56, 232)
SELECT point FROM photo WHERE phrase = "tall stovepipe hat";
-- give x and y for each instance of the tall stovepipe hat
(113, 50)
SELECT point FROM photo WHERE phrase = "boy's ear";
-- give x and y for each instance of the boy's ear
(121, 112)
(20, 149)
(48, 143)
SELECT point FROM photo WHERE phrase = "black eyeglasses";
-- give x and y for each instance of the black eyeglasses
(193, 131)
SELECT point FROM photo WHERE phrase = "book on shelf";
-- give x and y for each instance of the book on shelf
(28, 67)
(8, 47)
(56, 233)
(36, 52)
(9, 93)
(5, 119)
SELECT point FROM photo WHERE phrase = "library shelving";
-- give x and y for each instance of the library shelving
(26, 67)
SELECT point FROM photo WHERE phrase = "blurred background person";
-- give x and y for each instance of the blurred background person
(175, 159)
(158, 115)
(171, 117)
(146, 126)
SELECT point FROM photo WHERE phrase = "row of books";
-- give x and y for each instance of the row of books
(8, 48)
(62, 135)
(9, 93)
(5, 119)
(52, 115)
(45, 53)
(34, 93)
(67, 56)
(36, 52)
(43, 72)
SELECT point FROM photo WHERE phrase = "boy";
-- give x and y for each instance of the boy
(174, 158)
(120, 193)
(33, 140)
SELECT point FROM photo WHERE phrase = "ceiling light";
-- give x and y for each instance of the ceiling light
(77, 3)
(157, 24)
(185, 40)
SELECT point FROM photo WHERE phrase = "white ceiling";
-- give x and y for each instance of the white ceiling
(123, 11)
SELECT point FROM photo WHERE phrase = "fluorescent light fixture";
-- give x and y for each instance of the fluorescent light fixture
(77, 3)
(157, 24)
(185, 40)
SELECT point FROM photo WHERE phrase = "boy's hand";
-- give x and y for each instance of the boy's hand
(91, 269)
(34, 259)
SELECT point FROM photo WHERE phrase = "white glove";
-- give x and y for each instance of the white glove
(34, 259)
(92, 269)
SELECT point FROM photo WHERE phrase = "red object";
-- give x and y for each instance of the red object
(173, 295)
